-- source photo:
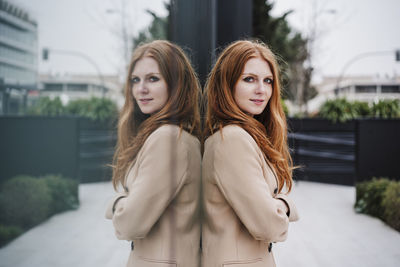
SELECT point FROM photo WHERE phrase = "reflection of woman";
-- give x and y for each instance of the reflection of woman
(158, 160)
(246, 162)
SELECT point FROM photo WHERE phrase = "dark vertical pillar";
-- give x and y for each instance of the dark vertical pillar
(192, 26)
(204, 25)
(377, 150)
(235, 19)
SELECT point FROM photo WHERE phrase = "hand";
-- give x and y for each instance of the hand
(282, 205)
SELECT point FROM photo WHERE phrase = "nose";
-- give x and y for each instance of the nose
(260, 88)
(142, 88)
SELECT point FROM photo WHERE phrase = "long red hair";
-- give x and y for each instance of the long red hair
(269, 129)
(181, 109)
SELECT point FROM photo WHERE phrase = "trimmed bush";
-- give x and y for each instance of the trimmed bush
(99, 109)
(341, 110)
(64, 193)
(380, 198)
(24, 201)
(8, 233)
(386, 109)
(337, 110)
(391, 204)
(361, 109)
(369, 196)
(47, 107)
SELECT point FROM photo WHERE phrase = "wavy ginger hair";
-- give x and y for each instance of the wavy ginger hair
(180, 109)
(268, 129)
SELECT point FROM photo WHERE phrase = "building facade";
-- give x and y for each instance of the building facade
(18, 57)
(73, 87)
(356, 88)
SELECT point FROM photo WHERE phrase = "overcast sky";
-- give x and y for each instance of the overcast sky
(347, 28)
(344, 29)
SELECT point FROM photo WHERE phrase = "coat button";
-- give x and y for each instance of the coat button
(132, 245)
(269, 247)
(276, 190)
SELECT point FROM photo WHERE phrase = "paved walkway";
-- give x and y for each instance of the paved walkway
(329, 234)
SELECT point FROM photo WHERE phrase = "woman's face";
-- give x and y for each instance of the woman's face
(149, 88)
(254, 87)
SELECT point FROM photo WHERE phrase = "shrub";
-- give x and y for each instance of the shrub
(342, 110)
(386, 109)
(100, 109)
(361, 109)
(391, 205)
(47, 107)
(369, 196)
(24, 201)
(337, 110)
(8, 233)
(64, 193)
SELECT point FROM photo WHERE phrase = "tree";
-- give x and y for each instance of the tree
(291, 49)
(157, 29)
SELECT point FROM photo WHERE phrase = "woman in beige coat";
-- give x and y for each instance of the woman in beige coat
(158, 161)
(246, 162)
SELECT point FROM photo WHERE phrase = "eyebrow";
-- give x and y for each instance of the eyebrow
(249, 73)
(148, 74)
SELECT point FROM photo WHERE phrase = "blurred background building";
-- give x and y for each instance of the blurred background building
(70, 87)
(18, 57)
(365, 88)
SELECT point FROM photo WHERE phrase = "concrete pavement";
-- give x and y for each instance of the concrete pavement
(81, 238)
(329, 234)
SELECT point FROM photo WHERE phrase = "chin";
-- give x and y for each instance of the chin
(146, 111)
(255, 112)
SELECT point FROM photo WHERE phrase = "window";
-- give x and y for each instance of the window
(390, 88)
(365, 88)
(77, 87)
(345, 89)
(53, 87)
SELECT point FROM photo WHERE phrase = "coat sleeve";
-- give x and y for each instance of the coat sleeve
(163, 166)
(239, 176)
(293, 214)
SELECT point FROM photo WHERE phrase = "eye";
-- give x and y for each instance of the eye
(268, 81)
(248, 79)
(154, 79)
(135, 80)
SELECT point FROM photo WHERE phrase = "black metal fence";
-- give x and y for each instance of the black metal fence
(341, 153)
(325, 152)
(96, 148)
(73, 147)
(344, 153)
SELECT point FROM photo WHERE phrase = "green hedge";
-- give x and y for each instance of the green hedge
(8, 233)
(380, 198)
(47, 107)
(341, 110)
(386, 109)
(64, 193)
(391, 203)
(98, 109)
(26, 201)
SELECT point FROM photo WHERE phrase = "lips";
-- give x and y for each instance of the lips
(257, 101)
(145, 100)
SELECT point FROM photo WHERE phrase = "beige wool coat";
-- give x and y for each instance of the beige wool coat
(160, 211)
(242, 212)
